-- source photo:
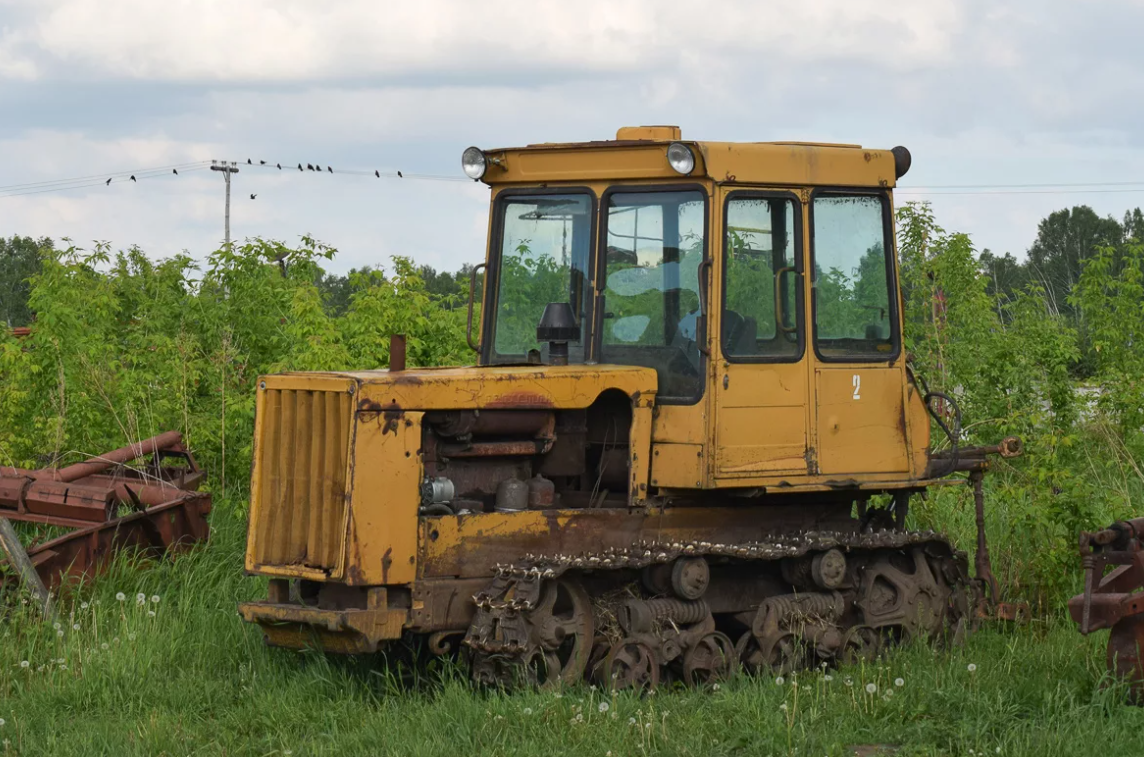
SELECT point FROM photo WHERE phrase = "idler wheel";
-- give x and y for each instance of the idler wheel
(828, 569)
(690, 577)
(630, 665)
(712, 659)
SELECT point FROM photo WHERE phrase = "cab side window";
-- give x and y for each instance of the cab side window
(761, 317)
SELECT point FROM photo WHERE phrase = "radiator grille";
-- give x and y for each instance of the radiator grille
(298, 512)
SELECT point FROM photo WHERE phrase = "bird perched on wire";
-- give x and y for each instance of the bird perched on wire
(133, 178)
(309, 167)
(108, 184)
(399, 175)
(262, 162)
(330, 169)
(377, 174)
(252, 196)
(175, 171)
(279, 166)
(299, 166)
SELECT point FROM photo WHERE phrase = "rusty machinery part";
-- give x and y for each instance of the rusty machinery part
(908, 584)
(629, 664)
(156, 531)
(710, 660)
(92, 491)
(690, 577)
(1113, 601)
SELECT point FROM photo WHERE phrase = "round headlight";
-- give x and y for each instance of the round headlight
(473, 163)
(681, 158)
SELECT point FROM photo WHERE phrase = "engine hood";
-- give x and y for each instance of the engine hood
(512, 386)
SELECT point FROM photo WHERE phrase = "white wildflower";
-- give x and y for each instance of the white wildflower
(83, 605)
(579, 717)
(780, 681)
(150, 613)
(24, 663)
(899, 682)
(3, 722)
(631, 721)
(603, 707)
(847, 681)
(971, 667)
(783, 706)
(828, 678)
(527, 710)
(56, 626)
(154, 599)
(104, 646)
(715, 687)
(63, 666)
(75, 626)
(60, 634)
(131, 637)
(871, 688)
(120, 596)
(140, 598)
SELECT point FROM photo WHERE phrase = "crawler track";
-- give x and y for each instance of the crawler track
(699, 611)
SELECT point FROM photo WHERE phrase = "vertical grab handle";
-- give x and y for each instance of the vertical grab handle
(701, 321)
(475, 347)
(780, 318)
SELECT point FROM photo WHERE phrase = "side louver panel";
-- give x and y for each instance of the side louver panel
(298, 511)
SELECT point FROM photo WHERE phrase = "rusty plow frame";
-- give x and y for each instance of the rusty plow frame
(164, 511)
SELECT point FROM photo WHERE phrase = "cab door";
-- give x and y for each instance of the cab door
(762, 394)
(858, 383)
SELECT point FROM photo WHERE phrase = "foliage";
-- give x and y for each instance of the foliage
(123, 347)
(19, 259)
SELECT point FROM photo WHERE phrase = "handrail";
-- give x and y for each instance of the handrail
(472, 295)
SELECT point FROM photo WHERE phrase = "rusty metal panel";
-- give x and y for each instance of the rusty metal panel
(298, 507)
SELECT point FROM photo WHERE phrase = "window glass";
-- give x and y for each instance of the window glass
(651, 297)
(760, 264)
(545, 246)
(853, 317)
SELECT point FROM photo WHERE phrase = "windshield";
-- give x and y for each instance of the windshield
(545, 242)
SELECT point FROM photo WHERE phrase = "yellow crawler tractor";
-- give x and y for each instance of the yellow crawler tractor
(688, 445)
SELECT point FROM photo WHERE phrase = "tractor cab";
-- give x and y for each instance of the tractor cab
(758, 280)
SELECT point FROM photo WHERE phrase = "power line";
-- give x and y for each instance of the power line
(104, 176)
(83, 184)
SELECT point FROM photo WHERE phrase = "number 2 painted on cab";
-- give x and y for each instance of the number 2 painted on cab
(857, 381)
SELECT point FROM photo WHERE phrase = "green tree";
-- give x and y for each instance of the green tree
(19, 261)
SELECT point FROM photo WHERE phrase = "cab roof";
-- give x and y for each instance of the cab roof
(640, 152)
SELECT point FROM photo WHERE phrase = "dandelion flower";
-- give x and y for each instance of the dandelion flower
(150, 613)
(3, 722)
(828, 678)
(780, 681)
(871, 688)
(527, 710)
(60, 634)
(603, 707)
(971, 667)
(579, 717)
(63, 666)
(56, 626)
(75, 626)
(647, 725)
(783, 706)
(120, 596)
(998, 750)
(847, 681)
(104, 646)
(140, 598)
(83, 605)
(131, 637)
(631, 721)
(154, 599)
(899, 682)
(715, 687)
(889, 693)
(24, 663)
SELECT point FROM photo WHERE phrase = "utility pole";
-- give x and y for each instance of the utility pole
(227, 169)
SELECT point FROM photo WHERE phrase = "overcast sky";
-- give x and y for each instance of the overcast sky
(981, 92)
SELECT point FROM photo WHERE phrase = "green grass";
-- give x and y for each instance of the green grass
(194, 679)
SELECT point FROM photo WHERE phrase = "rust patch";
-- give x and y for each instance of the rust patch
(386, 561)
(521, 399)
(393, 415)
(407, 379)
(867, 156)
